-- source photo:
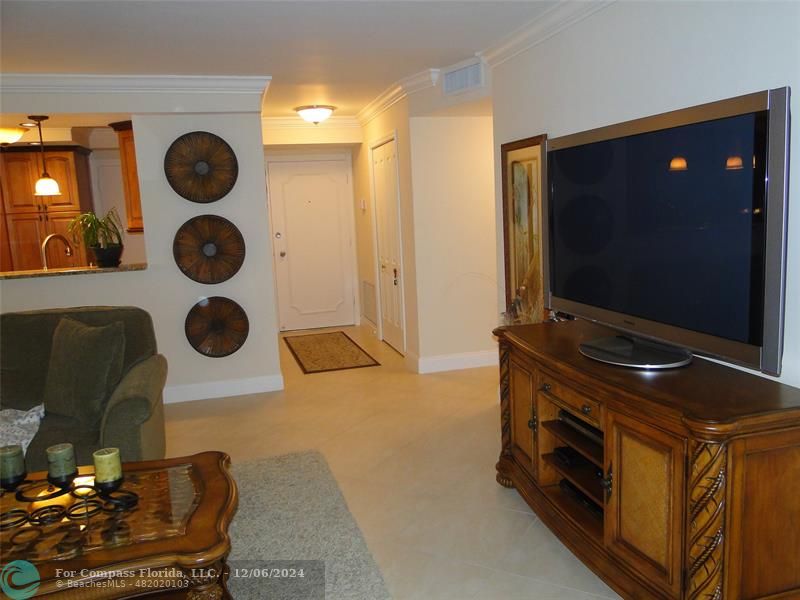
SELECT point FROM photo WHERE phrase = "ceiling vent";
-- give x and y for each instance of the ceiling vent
(463, 77)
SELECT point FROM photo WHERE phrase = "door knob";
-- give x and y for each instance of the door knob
(283, 254)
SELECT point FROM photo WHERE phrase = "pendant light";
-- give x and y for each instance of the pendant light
(9, 135)
(45, 185)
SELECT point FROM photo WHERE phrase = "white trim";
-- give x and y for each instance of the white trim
(545, 26)
(396, 92)
(412, 361)
(222, 389)
(298, 123)
(28, 83)
(455, 362)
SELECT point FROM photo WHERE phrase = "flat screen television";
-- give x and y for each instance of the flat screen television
(672, 230)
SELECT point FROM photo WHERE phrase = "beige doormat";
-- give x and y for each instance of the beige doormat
(320, 352)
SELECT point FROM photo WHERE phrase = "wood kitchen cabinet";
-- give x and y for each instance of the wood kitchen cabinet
(28, 219)
(130, 175)
(680, 485)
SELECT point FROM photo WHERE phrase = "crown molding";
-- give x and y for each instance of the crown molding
(298, 123)
(29, 83)
(553, 21)
(396, 92)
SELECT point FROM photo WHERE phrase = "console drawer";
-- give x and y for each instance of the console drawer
(583, 406)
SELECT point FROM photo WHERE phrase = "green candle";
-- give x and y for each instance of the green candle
(61, 461)
(12, 462)
(107, 465)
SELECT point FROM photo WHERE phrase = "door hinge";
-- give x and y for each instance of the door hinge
(608, 482)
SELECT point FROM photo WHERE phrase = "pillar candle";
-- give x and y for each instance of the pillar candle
(107, 465)
(12, 462)
(61, 461)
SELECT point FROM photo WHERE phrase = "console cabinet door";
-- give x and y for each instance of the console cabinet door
(764, 523)
(522, 380)
(644, 506)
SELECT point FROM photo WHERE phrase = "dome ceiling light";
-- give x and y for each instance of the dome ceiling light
(315, 113)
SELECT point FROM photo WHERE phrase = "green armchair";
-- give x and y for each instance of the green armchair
(131, 418)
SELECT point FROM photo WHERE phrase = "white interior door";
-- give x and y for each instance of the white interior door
(387, 216)
(311, 208)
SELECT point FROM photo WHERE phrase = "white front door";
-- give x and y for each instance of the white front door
(311, 207)
(387, 216)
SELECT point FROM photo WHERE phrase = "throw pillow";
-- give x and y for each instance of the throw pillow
(85, 367)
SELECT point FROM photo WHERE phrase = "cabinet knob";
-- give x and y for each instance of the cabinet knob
(586, 409)
(545, 387)
(532, 423)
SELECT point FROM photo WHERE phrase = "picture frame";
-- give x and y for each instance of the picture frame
(523, 167)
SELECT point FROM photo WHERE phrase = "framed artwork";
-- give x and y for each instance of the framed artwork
(522, 166)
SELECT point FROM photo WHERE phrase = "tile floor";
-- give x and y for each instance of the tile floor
(414, 456)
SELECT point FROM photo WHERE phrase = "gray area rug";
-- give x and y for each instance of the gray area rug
(293, 537)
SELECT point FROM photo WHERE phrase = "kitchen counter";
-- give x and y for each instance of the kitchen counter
(71, 271)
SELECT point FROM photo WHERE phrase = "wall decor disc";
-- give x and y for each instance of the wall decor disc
(201, 166)
(208, 249)
(216, 326)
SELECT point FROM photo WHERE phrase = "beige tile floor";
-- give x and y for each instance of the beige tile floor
(414, 456)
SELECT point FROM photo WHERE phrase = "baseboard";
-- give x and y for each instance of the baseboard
(222, 389)
(412, 361)
(455, 362)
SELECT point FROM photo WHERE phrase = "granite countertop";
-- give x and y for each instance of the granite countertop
(71, 271)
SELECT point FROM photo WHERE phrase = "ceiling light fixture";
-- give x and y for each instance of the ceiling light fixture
(9, 135)
(315, 113)
(45, 185)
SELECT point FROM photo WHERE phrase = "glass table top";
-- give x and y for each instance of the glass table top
(167, 499)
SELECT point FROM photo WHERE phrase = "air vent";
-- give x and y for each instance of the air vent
(462, 79)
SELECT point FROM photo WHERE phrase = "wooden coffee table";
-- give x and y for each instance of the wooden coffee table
(173, 544)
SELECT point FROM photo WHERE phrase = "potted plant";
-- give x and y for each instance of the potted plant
(103, 236)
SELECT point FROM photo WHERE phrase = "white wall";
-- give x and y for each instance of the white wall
(453, 191)
(162, 289)
(635, 59)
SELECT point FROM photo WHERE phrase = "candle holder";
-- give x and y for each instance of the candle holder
(106, 487)
(10, 484)
(63, 482)
(119, 501)
(39, 491)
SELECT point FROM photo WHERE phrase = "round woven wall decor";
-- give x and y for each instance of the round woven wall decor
(208, 249)
(216, 326)
(201, 167)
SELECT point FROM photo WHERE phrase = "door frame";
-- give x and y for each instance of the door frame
(390, 137)
(299, 157)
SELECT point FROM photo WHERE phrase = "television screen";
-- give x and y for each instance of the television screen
(668, 225)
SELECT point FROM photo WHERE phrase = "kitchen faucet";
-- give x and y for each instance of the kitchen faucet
(43, 249)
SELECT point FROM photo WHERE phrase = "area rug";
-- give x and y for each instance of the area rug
(293, 519)
(320, 352)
